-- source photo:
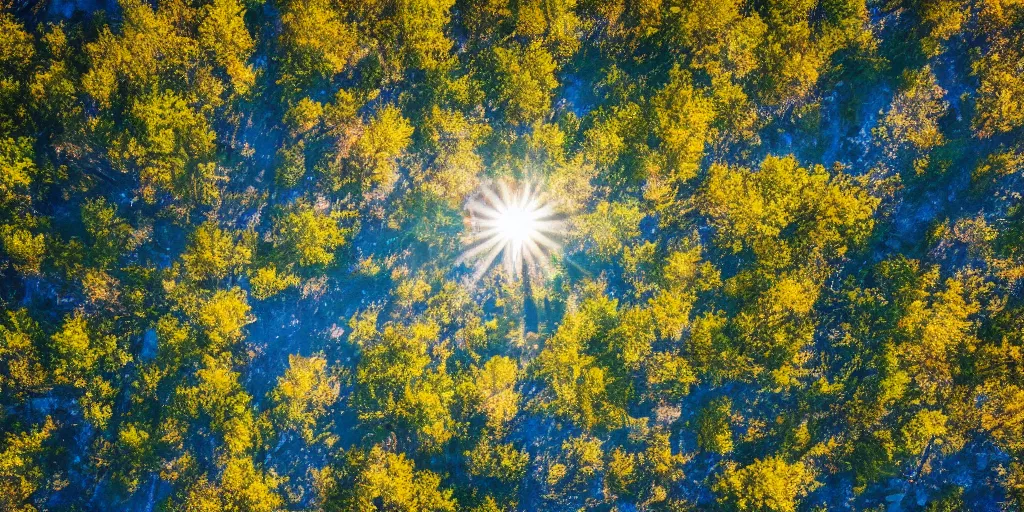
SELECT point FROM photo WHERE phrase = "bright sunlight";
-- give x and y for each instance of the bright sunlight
(519, 224)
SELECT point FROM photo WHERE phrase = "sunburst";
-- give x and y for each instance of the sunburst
(519, 224)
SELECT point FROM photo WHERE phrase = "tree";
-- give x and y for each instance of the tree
(213, 253)
(134, 455)
(999, 108)
(174, 148)
(242, 487)
(110, 235)
(523, 83)
(1002, 415)
(503, 462)
(21, 469)
(101, 288)
(576, 384)
(223, 316)
(16, 57)
(492, 391)
(789, 58)
(911, 128)
(303, 395)
(382, 141)
(825, 214)
(290, 165)
(553, 21)
(766, 484)
(317, 42)
(218, 398)
(153, 49)
(19, 169)
(936, 331)
(309, 237)
(453, 139)
(608, 228)
(398, 391)
(421, 33)
(632, 338)
(21, 367)
(714, 428)
(669, 377)
(222, 33)
(645, 477)
(268, 281)
(579, 462)
(365, 480)
(80, 352)
(684, 116)
(26, 250)
(147, 47)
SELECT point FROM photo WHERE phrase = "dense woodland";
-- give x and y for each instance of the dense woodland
(791, 278)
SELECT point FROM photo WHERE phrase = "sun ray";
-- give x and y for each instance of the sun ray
(517, 223)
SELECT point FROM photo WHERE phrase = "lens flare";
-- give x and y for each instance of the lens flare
(519, 225)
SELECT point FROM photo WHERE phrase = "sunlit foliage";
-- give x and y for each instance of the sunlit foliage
(782, 262)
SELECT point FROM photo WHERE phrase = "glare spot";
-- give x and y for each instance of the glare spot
(518, 225)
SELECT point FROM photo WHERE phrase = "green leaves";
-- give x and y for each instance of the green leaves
(303, 395)
(523, 82)
(773, 270)
(309, 237)
(766, 484)
(368, 477)
(213, 253)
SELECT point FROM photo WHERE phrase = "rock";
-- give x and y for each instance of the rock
(43, 405)
(149, 345)
(894, 501)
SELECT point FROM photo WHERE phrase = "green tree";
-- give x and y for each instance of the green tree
(241, 487)
(214, 253)
(21, 366)
(384, 139)
(398, 390)
(577, 387)
(751, 210)
(219, 398)
(503, 462)
(911, 128)
(173, 148)
(608, 228)
(17, 50)
(222, 33)
(453, 139)
(303, 395)
(714, 426)
(999, 108)
(110, 236)
(25, 250)
(21, 468)
(524, 81)
(290, 165)
(19, 169)
(309, 237)
(684, 116)
(317, 42)
(268, 281)
(379, 479)
(766, 484)
(492, 391)
(80, 352)
(223, 316)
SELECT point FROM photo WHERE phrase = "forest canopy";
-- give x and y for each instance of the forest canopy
(787, 274)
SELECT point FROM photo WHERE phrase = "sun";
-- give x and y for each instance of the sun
(518, 223)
